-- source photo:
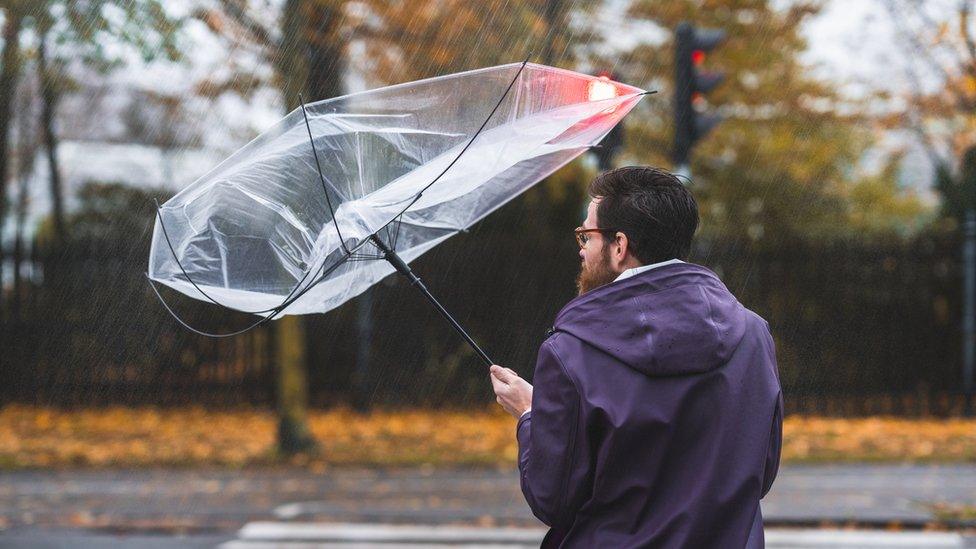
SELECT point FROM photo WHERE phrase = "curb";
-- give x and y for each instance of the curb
(257, 535)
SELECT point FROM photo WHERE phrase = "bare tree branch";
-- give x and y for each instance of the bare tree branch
(915, 124)
(237, 11)
(929, 23)
(964, 12)
(903, 29)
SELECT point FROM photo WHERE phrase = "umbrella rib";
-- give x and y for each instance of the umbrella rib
(274, 311)
(364, 257)
(389, 236)
(318, 167)
(201, 332)
(396, 233)
(328, 201)
(473, 137)
(172, 250)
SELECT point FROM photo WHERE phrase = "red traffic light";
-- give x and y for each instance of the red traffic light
(698, 57)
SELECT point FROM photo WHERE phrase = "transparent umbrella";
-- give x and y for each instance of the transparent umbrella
(342, 192)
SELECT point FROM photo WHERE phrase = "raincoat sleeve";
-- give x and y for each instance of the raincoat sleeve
(771, 467)
(775, 448)
(552, 471)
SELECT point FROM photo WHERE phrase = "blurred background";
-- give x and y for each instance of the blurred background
(830, 145)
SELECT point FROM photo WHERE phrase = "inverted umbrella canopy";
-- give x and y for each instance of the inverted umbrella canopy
(296, 220)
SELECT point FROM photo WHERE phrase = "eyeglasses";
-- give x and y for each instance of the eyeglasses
(582, 237)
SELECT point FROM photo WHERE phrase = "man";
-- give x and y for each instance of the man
(656, 416)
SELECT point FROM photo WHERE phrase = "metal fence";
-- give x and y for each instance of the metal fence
(861, 327)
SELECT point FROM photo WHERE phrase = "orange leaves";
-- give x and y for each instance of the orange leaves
(879, 439)
(415, 437)
(46, 437)
(144, 437)
(43, 437)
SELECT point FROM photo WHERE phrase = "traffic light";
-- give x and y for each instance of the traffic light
(690, 87)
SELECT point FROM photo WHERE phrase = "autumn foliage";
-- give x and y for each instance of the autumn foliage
(141, 437)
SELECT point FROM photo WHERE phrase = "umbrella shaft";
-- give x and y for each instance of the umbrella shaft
(401, 266)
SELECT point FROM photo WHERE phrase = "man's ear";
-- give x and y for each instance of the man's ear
(622, 244)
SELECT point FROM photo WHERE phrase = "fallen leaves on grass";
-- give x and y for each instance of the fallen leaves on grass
(48, 437)
(144, 437)
(879, 439)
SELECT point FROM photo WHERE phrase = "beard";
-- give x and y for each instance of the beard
(591, 278)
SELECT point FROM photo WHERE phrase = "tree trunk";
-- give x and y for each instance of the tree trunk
(288, 61)
(26, 152)
(360, 378)
(324, 50)
(309, 60)
(49, 101)
(18, 253)
(8, 87)
(293, 434)
(290, 360)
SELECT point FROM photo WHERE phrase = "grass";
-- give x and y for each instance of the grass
(41, 437)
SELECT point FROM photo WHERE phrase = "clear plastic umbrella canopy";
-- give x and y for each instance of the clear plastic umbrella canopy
(282, 228)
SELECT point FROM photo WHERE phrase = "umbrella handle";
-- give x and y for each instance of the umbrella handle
(401, 266)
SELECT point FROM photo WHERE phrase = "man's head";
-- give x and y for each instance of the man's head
(645, 215)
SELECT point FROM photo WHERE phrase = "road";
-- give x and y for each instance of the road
(205, 507)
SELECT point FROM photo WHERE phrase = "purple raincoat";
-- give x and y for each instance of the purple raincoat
(656, 417)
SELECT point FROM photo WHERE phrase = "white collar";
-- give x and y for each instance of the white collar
(638, 270)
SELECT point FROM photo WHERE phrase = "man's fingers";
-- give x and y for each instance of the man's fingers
(503, 374)
(507, 385)
(494, 382)
(497, 384)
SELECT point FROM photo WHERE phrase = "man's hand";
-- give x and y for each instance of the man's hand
(511, 391)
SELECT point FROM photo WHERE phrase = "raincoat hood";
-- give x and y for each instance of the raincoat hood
(673, 320)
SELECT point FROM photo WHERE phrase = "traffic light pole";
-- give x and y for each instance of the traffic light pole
(969, 309)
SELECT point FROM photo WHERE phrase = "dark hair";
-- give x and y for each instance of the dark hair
(658, 214)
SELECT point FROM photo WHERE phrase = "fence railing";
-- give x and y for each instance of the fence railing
(861, 328)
